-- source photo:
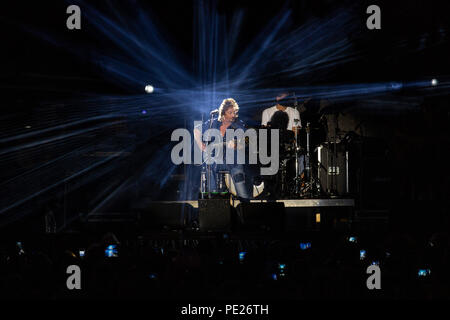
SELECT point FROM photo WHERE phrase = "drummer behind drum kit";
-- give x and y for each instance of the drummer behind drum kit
(325, 174)
(324, 157)
(291, 182)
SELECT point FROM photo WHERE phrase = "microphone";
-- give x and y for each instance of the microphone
(214, 111)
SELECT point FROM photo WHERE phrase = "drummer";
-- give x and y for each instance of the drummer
(294, 123)
(279, 120)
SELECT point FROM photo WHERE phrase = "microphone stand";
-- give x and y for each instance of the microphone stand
(203, 178)
(206, 175)
(208, 166)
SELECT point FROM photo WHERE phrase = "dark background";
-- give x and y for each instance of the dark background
(405, 149)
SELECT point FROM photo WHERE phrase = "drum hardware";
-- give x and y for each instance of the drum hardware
(312, 186)
(304, 184)
(296, 178)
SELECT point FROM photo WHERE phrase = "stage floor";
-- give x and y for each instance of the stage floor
(288, 203)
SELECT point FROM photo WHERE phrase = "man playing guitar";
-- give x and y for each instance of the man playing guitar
(227, 119)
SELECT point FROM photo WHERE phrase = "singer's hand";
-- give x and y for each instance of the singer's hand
(231, 144)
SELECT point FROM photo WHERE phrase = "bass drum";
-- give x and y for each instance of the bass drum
(258, 186)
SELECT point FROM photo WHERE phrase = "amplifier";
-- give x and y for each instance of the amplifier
(214, 214)
(333, 170)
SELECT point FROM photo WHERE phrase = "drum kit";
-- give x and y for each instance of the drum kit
(295, 178)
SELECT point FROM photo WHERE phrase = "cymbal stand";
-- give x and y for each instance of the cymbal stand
(297, 177)
(312, 188)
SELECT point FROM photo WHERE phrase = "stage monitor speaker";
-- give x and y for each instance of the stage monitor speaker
(214, 214)
(262, 216)
(164, 215)
(333, 168)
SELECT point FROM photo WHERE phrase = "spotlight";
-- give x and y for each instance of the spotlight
(144, 112)
(149, 89)
(396, 85)
(434, 82)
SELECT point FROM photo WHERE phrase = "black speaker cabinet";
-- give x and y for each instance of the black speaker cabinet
(214, 214)
(261, 216)
(164, 215)
(333, 168)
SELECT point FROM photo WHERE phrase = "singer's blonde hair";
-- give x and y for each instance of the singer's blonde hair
(227, 103)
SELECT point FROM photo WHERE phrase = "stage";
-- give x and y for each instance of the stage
(288, 203)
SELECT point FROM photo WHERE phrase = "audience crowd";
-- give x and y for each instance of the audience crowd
(330, 265)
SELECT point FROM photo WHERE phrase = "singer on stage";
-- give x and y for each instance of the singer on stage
(227, 119)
